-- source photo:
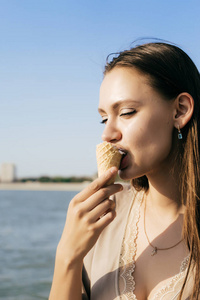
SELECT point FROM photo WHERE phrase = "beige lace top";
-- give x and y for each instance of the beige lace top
(171, 290)
(106, 275)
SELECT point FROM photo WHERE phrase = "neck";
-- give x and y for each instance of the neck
(163, 196)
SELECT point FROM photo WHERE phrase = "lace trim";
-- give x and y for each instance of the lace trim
(184, 264)
(128, 252)
(170, 287)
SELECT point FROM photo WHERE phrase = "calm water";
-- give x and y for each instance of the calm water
(30, 227)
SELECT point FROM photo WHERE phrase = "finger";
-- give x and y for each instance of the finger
(96, 185)
(105, 220)
(101, 210)
(101, 195)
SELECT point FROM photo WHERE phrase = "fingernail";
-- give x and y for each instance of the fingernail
(113, 170)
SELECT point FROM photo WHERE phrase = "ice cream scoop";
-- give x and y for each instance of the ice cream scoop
(108, 156)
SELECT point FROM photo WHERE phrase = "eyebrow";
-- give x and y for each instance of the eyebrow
(119, 103)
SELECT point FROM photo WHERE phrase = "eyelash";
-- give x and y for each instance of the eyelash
(103, 121)
(124, 114)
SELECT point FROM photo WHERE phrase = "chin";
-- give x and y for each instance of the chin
(125, 175)
(130, 173)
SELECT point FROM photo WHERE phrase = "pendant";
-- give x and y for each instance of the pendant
(154, 251)
(180, 136)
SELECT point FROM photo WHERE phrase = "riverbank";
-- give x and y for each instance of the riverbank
(37, 186)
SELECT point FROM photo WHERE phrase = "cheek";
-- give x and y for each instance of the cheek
(151, 142)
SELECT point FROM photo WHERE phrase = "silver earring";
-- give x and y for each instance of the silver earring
(179, 133)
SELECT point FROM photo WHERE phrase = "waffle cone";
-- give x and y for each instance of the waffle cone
(107, 156)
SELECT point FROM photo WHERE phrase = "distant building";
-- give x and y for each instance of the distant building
(7, 173)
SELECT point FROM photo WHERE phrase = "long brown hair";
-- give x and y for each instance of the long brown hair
(171, 72)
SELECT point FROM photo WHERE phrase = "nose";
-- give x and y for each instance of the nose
(111, 133)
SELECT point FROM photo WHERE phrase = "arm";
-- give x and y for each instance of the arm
(89, 213)
(67, 280)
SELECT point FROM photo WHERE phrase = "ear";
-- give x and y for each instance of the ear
(184, 107)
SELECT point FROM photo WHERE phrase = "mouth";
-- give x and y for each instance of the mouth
(124, 162)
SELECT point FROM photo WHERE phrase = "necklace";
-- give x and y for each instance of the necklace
(155, 249)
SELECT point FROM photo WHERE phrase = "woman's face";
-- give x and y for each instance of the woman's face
(137, 120)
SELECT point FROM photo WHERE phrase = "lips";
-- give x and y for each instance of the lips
(124, 160)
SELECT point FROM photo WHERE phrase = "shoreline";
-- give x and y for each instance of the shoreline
(37, 186)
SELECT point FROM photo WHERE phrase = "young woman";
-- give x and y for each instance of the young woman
(144, 243)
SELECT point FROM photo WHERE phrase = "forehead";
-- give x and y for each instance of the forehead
(123, 83)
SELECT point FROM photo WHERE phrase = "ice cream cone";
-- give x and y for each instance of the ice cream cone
(107, 156)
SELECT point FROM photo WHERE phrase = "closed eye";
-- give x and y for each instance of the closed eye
(128, 113)
(103, 121)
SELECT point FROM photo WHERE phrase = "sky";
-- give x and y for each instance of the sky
(52, 56)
